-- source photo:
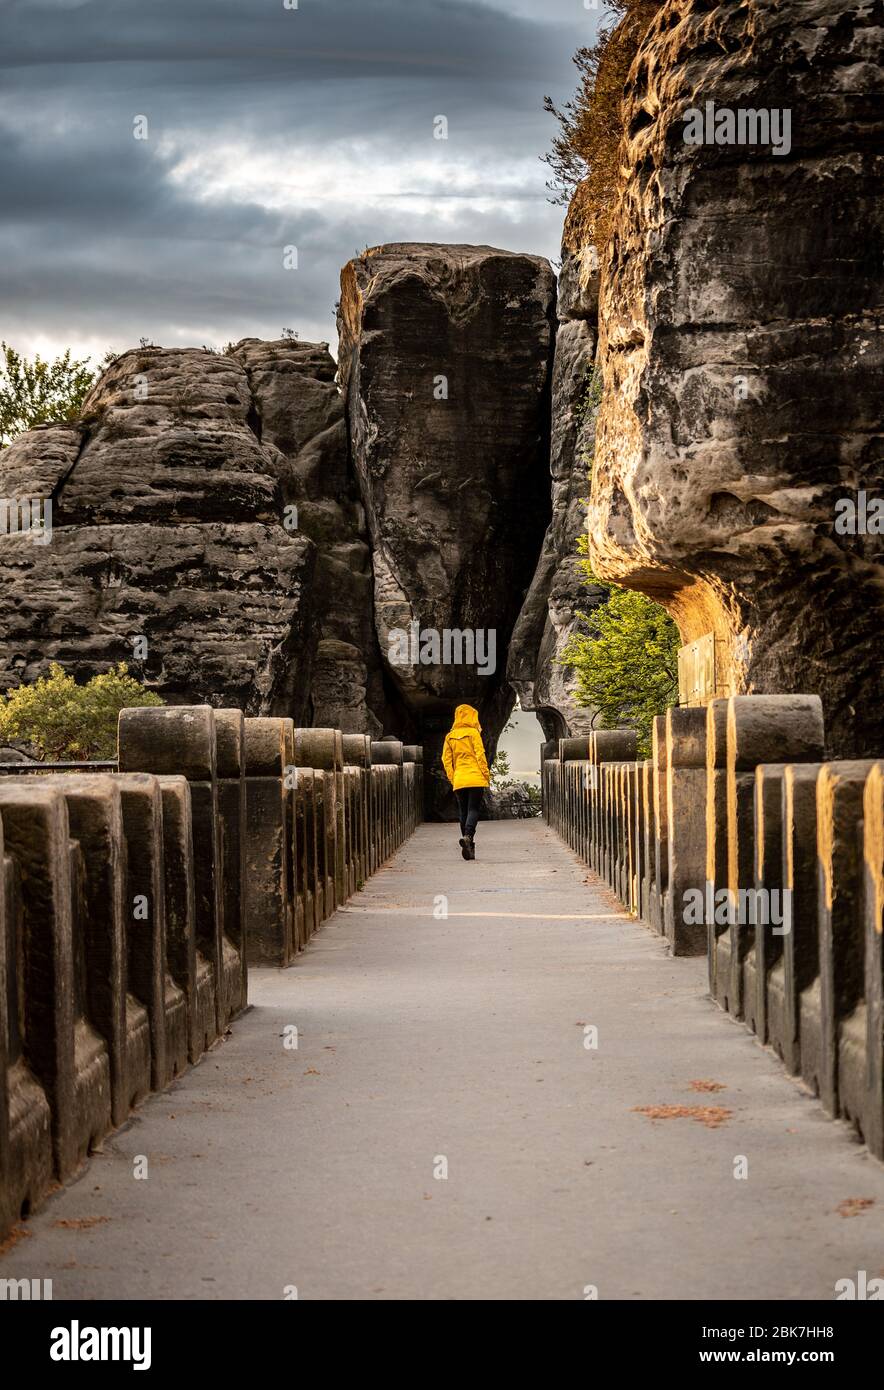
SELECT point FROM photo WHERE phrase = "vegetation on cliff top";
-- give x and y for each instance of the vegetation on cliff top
(584, 155)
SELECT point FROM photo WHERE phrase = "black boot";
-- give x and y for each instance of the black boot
(471, 848)
(465, 846)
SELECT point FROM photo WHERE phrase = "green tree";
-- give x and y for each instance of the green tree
(67, 722)
(626, 660)
(500, 765)
(34, 392)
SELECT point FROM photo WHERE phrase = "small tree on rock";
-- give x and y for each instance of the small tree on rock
(67, 722)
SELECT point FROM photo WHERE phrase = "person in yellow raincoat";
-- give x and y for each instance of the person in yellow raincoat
(466, 767)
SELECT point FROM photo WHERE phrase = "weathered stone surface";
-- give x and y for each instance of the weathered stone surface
(173, 520)
(578, 288)
(445, 356)
(224, 508)
(740, 346)
(168, 438)
(35, 464)
(558, 590)
(299, 417)
(225, 609)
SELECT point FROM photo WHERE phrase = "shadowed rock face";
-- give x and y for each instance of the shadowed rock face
(740, 344)
(445, 359)
(558, 590)
(299, 416)
(169, 523)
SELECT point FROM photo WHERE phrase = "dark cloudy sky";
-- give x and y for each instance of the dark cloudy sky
(268, 127)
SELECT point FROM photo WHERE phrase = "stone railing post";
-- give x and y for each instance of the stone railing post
(648, 838)
(191, 969)
(74, 1080)
(270, 842)
(661, 822)
(772, 906)
(718, 940)
(180, 740)
(873, 905)
(840, 791)
(357, 753)
(323, 750)
(798, 964)
(230, 738)
(414, 753)
(760, 729)
(388, 753)
(684, 915)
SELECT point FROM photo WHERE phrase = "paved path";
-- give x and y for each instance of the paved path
(464, 1038)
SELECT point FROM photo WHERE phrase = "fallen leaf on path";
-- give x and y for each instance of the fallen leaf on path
(709, 1115)
(15, 1235)
(311, 1071)
(707, 1086)
(81, 1223)
(852, 1206)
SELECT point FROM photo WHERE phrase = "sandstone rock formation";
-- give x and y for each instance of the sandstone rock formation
(558, 590)
(223, 527)
(445, 359)
(741, 347)
(300, 420)
(170, 525)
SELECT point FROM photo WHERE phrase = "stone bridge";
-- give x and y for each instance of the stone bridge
(268, 1036)
(635, 1050)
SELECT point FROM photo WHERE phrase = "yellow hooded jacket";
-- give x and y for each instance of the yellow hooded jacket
(463, 755)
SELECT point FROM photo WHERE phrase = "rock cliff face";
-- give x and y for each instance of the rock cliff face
(558, 590)
(244, 528)
(445, 359)
(740, 347)
(301, 422)
(171, 529)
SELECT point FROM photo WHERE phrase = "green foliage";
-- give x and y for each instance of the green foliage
(500, 772)
(591, 398)
(500, 764)
(33, 393)
(587, 406)
(626, 661)
(67, 722)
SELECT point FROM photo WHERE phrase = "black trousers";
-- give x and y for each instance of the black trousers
(469, 801)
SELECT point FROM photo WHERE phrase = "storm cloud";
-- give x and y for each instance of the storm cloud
(267, 127)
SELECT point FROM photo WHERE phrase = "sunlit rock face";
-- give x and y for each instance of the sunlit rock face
(445, 357)
(741, 350)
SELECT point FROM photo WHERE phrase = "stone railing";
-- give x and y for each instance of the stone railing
(737, 840)
(133, 902)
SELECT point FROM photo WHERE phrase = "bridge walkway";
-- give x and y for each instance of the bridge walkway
(432, 1044)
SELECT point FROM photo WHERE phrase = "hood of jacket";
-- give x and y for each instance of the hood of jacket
(466, 716)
